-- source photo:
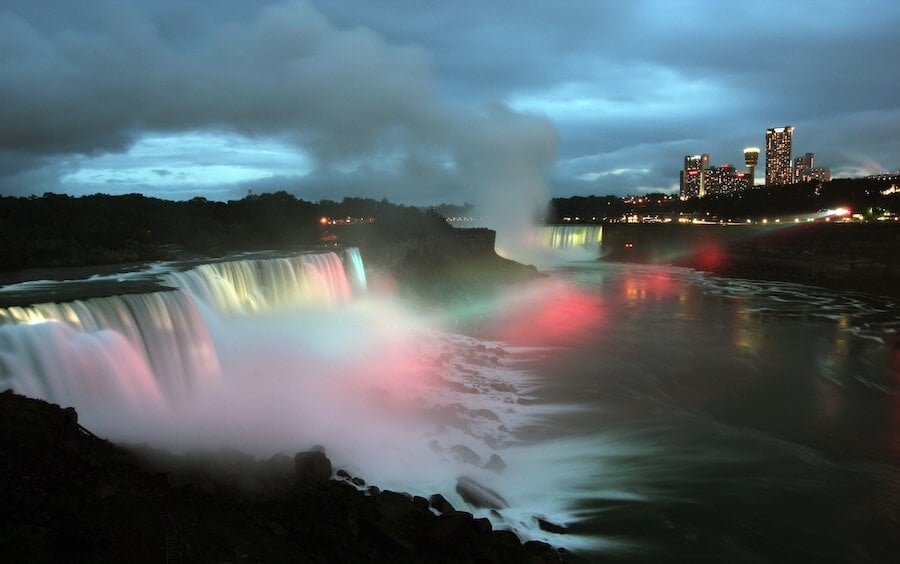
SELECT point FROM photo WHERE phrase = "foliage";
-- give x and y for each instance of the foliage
(61, 230)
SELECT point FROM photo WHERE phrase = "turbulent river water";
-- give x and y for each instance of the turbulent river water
(642, 413)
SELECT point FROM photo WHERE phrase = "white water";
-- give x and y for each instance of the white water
(277, 355)
(568, 237)
(555, 245)
(628, 411)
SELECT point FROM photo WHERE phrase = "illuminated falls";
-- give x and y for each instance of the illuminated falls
(571, 237)
(144, 347)
(265, 285)
(586, 383)
(273, 355)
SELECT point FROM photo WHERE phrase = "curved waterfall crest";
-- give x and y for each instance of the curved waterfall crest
(566, 237)
(143, 348)
(257, 285)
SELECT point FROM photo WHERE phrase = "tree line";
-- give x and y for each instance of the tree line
(62, 230)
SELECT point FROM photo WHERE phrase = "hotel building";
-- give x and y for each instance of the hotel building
(778, 156)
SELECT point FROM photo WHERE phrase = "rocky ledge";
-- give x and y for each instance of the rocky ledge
(458, 266)
(68, 495)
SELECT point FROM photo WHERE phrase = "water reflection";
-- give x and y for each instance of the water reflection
(799, 363)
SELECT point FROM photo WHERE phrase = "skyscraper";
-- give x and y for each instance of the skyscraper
(751, 159)
(803, 166)
(778, 155)
(692, 180)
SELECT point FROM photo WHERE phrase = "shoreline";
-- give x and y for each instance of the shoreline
(856, 258)
(73, 495)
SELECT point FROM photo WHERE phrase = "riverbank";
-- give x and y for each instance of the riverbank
(70, 495)
(849, 257)
(448, 269)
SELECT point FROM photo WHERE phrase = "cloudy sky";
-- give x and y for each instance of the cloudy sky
(431, 102)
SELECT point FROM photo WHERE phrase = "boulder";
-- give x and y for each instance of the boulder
(495, 464)
(440, 504)
(465, 454)
(312, 467)
(452, 528)
(551, 527)
(478, 495)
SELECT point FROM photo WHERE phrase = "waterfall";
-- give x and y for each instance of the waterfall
(568, 237)
(152, 347)
(356, 272)
(247, 286)
(140, 347)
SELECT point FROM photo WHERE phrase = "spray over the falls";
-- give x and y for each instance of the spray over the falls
(277, 355)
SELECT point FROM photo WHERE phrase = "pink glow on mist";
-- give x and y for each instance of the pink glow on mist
(552, 314)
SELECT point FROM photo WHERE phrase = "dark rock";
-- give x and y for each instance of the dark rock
(465, 454)
(544, 551)
(394, 505)
(452, 528)
(95, 503)
(495, 464)
(71, 416)
(440, 504)
(357, 481)
(505, 536)
(343, 474)
(551, 527)
(312, 467)
(536, 547)
(420, 502)
(479, 496)
(483, 525)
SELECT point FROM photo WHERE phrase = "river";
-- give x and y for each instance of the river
(642, 413)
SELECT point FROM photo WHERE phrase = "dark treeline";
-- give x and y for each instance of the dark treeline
(60, 230)
(861, 195)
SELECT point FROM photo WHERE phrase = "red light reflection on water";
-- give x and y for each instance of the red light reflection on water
(709, 256)
(649, 286)
(553, 314)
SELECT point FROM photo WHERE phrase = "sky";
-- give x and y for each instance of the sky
(500, 103)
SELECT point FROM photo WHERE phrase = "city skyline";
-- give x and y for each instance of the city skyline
(455, 103)
(700, 177)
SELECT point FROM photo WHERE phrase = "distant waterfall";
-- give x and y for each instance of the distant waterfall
(247, 286)
(568, 237)
(356, 271)
(140, 347)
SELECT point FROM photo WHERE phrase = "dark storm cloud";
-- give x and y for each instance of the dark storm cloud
(395, 95)
(288, 70)
(366, 111)
(651, 81)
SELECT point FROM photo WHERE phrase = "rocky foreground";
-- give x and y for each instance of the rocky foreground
(68, 495)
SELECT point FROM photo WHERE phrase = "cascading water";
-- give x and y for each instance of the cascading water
(276, 355)
(246, 286)
(642, 450)
(571, 237)
(356, 270)
(135, 345)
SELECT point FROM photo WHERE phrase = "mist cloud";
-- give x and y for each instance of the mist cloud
(365, 114)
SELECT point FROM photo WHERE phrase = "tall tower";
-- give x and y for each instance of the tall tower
(692, 181)
(803, 167)
(778, 155)
(751, 159)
